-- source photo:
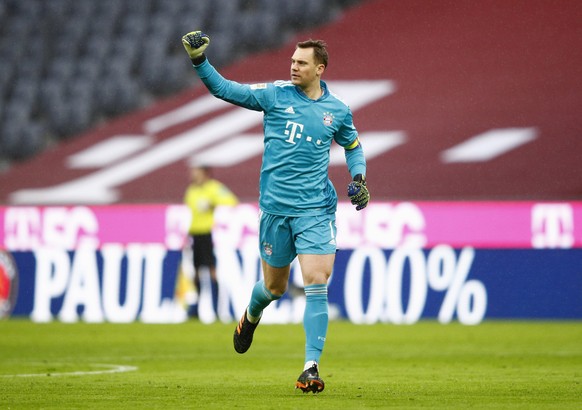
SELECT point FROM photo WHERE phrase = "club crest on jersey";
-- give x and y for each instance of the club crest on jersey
(327, 118)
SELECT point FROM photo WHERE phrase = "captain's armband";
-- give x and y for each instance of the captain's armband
(353, 145)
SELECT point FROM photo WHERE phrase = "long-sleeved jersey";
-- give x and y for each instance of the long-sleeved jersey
(298, 133)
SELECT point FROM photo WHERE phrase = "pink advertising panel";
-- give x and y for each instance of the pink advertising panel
(70, 227)
(385, 225)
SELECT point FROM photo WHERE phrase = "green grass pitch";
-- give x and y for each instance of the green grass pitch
(517, 365)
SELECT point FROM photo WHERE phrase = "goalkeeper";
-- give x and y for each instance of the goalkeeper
(297, 200)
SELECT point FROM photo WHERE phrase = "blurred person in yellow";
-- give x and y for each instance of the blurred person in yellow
(202, 196)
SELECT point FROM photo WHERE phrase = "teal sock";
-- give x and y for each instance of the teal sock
(260, 299)
(315, 321)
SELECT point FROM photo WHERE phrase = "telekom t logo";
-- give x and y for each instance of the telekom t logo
(552, 226)
(293, 130)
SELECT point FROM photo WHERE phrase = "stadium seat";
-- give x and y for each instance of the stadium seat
(22, 139)
(81, 57)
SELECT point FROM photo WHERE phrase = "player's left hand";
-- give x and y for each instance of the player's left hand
(358, 192)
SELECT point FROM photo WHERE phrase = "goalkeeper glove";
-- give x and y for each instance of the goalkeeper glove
(358, 192)
(195, 43)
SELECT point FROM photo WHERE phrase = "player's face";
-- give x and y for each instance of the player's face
(304, 70)
(198, 175)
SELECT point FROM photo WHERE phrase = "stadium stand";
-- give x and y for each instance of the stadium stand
(454, 100)
(66, 65)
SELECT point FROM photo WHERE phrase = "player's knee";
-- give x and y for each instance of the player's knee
(276, 290)
(316, 278)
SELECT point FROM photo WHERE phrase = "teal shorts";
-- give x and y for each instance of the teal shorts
(282, 238)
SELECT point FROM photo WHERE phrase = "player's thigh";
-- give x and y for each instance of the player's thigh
(276, 244)
(316, 269)
(276, 278)
(316, 245)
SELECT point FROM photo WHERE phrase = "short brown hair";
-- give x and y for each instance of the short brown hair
(319, 50)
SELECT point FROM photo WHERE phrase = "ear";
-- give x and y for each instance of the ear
(320, 69)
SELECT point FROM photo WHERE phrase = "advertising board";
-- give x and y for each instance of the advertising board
(396, 263)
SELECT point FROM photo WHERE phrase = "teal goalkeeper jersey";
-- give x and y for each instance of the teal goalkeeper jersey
(298, 133)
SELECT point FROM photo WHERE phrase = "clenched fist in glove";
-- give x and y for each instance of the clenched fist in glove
(195, 43)
(358, 192)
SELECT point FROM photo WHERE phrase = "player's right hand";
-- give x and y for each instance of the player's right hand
(195, 43)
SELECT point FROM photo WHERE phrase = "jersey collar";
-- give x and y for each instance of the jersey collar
(324, 94)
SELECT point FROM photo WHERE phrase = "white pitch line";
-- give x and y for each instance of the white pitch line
(114, 368)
